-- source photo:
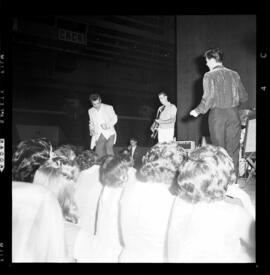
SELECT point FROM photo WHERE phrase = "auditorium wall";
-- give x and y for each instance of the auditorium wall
(51, 88)
(236, 35)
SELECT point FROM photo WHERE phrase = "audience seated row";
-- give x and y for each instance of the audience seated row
(102, 242)
(146, 203)
(178, 207)
(204, 227)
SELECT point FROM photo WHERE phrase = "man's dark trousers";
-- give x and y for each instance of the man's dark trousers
(104, 146)
(225, 131)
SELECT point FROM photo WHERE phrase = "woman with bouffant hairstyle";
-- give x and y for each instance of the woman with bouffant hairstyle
(86, 159)
(65, 151)
(114, 171)
(88, 187)
(146, 204)
(205, 227)
(160, 163)
(206, 175)
(59, 176)
(28, 157)
(104, 244)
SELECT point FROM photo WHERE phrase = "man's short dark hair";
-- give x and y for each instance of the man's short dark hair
(134, 139)
(94, 97)
(216, 53)
(162, 93)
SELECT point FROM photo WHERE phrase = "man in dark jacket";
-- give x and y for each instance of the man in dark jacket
(135, 153)
(223, 93)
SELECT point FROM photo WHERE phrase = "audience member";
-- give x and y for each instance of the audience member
(204, 227)
(234, 193)
(135, 153)
(65, 151)
(28, 157)
(104, 245)
(146, 204)
(87, 159)
(37, 225)
(59, 177)
(88, 188)
(172, 151)
(171, 206)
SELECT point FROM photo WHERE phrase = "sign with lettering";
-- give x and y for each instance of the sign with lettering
(71, 36)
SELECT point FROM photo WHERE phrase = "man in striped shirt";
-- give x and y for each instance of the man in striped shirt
(223, 93)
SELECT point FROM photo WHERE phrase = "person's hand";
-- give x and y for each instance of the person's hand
(194, 113)
(104, 126)
(92, 132)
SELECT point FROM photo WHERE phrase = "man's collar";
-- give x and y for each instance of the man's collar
(218, 66)
(167, 104)
(97, 110)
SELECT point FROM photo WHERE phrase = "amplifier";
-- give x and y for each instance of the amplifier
(187, 144)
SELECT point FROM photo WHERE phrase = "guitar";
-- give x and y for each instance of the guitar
(155, 125)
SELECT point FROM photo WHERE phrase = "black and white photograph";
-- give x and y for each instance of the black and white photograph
(132, 138)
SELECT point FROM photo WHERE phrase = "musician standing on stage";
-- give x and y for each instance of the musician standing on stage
(166, 119)
(223, 92)
(102, 119)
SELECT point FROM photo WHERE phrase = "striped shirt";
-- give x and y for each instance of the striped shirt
(223, 88)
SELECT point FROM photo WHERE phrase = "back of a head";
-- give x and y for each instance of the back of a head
(37, 225)
(86, 159)
(205, 175)
(65, 151)
(114, 171)
(28, 157)
(216, 54)
(60, 178)
(161, 162)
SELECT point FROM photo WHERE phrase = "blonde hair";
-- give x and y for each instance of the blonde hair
(114, 171)
(60, 179)
(206, 174)
(161, 162)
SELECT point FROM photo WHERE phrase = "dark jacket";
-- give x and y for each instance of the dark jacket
(223, 89)
(137, 156)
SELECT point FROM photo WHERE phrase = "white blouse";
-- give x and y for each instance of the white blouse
(208, 232)
(88, 188)
(103, 244)
(144, 215)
